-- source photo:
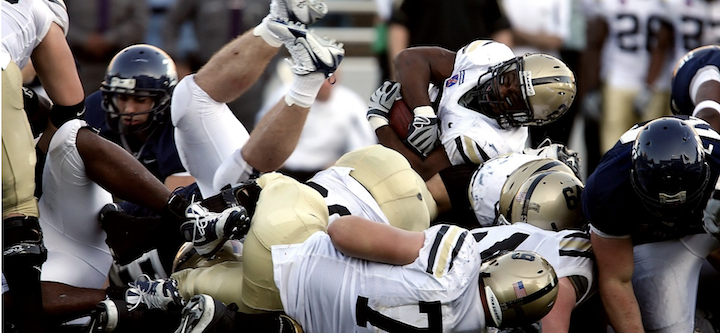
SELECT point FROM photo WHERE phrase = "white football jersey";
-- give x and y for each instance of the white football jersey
(549, 17)
(487, 183)
(346, 196)
(631, 25)
(568, 251)
(326, 291)
(24, 25)
(467, 135)
(692, 22)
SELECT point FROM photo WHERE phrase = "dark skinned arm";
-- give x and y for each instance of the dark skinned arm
(417, 67)
(115, 170)
(658, 55)
(428, 167)
(596, 32)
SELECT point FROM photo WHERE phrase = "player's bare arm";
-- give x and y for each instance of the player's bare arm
(614, 258)
(361, 238)
(416, 67)
(55, 65)
(558, 319)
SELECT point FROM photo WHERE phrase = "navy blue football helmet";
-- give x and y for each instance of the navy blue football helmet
(139, 70)
(669, 171)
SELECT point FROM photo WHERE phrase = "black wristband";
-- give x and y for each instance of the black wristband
(61, 114)
(175, 208)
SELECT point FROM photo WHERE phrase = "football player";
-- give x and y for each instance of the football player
(527, 188)
(568, 251)
(361, 275)
(488, 97)
(132, 109)
(30, 29)
(79, 173)
(644, 203)
(696, 85)
(619, 64)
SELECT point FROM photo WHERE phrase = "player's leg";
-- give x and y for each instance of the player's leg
(23, 248)
(617, 115)
(287, 212)
(659, 106)
(665, 281)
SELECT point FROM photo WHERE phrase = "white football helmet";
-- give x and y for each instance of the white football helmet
(549, 200)
(520, 175)
(520, 288)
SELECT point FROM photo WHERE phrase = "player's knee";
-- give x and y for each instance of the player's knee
(22, 243)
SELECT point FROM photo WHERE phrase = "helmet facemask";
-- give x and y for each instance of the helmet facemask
(509, 110)
(121, 123)
(542, 90)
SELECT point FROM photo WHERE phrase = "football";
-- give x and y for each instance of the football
(400, 118)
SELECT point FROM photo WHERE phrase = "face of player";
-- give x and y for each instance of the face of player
(134, 110)
(507, 92)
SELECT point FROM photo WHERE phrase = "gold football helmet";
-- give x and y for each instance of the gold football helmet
(533, 89)
(520, 288)
(551, 89)
(520, 175)
(549, 200)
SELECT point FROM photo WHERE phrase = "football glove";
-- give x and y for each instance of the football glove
(423, 131)
(710, 216)
(642, 100)
(559, 152)
(591, 105)
(381, 102)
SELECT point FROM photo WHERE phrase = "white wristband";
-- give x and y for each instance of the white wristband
(426, 111)
(707, 104)
(707, 73)
(377, 122)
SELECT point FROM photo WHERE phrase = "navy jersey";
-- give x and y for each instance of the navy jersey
(684, 73)
(158, 153)
(611, 205)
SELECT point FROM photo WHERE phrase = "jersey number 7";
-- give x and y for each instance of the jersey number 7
(364, 315)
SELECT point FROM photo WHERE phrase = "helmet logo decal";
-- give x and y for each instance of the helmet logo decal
(523, 256)
(527, 80)
(519, 288)
(117, 82)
